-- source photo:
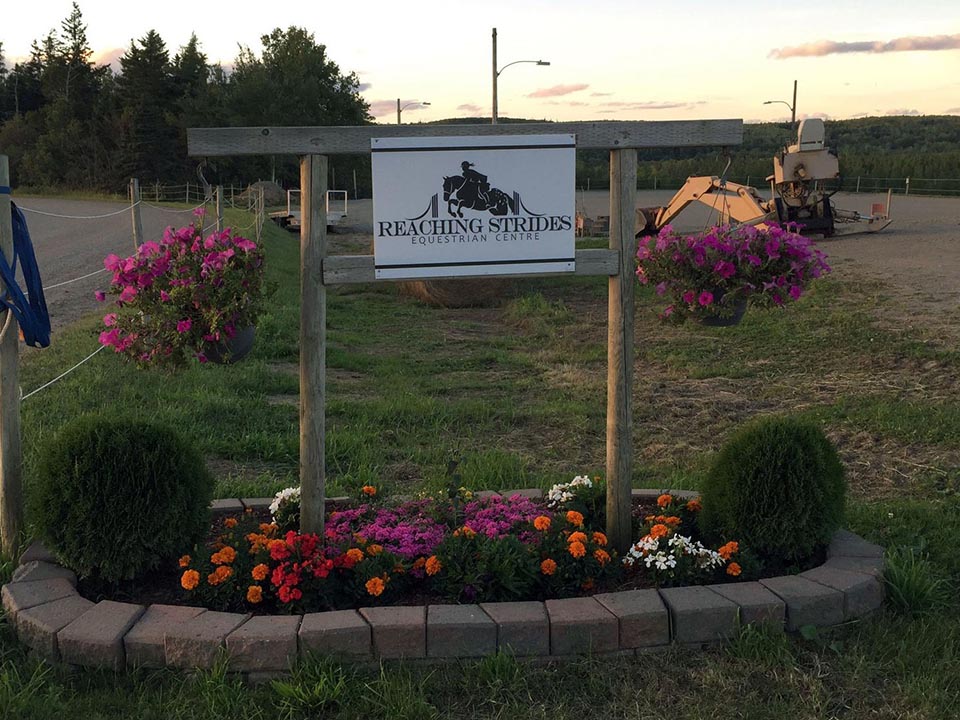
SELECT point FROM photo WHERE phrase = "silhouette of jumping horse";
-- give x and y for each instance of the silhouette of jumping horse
(472, 191)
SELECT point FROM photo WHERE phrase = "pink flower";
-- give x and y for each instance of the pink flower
(245, 245)
(110, 319)
(689, 296)
(795, 292)
(754, 260)
(668, 311)
(772, 247)
(164, 296)
(184, 326)
(199, 212)
(202, 358)
(111, 262)
(706, 298)
(128, 293)
(725, 269)
(661, 288)
(100, 295)
(110, 337)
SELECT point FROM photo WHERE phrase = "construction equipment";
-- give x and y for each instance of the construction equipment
(797, 188)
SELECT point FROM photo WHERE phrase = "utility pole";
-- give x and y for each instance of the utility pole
(793, 108)
(493, 114)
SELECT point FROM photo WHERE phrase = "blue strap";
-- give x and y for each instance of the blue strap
(30, 310)
(4, 190)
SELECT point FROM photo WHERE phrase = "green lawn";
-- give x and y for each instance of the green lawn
(517, 392)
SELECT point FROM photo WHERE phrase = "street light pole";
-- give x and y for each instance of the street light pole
(793, 107)
(401, 109)
(496, 74)
(493, 116)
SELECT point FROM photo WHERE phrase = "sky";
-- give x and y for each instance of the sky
(609, 59)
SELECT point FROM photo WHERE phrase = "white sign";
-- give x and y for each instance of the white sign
(449, 206)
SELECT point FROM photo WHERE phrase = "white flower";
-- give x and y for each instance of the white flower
(289, 494)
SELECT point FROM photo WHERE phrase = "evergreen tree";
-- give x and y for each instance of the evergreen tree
(147, 104)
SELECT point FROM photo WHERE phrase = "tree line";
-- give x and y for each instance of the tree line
(66, 122)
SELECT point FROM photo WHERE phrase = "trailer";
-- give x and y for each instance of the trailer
(336, 209)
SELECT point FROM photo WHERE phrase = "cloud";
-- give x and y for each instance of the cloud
(903, 44)
(567, 103)
(600, 94)
(558, 90)
(651, 105)
(380, 108)
(109, 57)
(902, 111)
(363, 87)
(469, 107)
(952, 111)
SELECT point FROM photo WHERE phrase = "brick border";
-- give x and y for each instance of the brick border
(51, 618)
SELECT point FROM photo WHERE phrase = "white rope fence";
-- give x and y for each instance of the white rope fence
(60, 376)
(79, 217)
(76, 279)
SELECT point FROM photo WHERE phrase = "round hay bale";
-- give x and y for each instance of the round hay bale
(475, 292)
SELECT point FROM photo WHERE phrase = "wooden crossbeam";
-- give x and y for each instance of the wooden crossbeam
(355, 140)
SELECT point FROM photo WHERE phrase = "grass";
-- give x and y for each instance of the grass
(517, 393)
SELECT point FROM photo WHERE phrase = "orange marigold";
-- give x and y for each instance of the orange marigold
(185, 561)
(695, 505)
(672, 521)
(577, 549)
(467, 532)
(548, 567)
(575, 518)
(599, 538)
(375, 586)
(373, 550)
(541, 523)
(433, 565)
(602, 556)
(664, 500)
(254, 594)
(355, 554)
(368, 490)
(219, 575)
(734, 569)
(419, 562)
(727, 551)
(260, 572)
(268, 528)
(588, 585)
(190, 579)
(230, 522)
(659, 530)
(224, 556)
(577, 537)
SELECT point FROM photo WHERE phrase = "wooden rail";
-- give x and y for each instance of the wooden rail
(355, 140)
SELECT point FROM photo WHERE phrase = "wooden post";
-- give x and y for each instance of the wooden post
(135, 214)
(11, 456)
(219, 208)
(313, 341)
(620, 314)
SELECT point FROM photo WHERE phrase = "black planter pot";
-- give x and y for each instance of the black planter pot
(739, 308)
(233, 350)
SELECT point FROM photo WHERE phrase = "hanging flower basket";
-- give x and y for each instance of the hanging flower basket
(712, 276)
(187, 297)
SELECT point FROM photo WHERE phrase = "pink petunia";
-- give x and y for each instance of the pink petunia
(110, 337)
(795, 292)
(661, 288)
(689, 296)
(100, 295)
(110, 319)
(128, 293)
(245, 245)
(184, 326)
(706, 298)
(111, 262)
(164, 296)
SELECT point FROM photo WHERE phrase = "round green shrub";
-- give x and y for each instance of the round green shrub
(778, 487)
(116, 499)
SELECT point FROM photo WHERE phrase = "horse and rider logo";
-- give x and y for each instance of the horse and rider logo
(471, 190)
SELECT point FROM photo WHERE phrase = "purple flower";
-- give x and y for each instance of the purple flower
(100, 295)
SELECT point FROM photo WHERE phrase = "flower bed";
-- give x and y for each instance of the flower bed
(455, 548)
(53, 619)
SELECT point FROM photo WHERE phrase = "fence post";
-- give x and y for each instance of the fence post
(906, 190)
(187, 193)
(858, 183)
(313, 341)
(620, 314)
(135, 213)
(219, 208)
(11, 455)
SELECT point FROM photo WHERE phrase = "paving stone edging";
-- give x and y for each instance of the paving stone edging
(50, 617)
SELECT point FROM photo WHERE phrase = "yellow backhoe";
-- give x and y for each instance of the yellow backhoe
(798, 194)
